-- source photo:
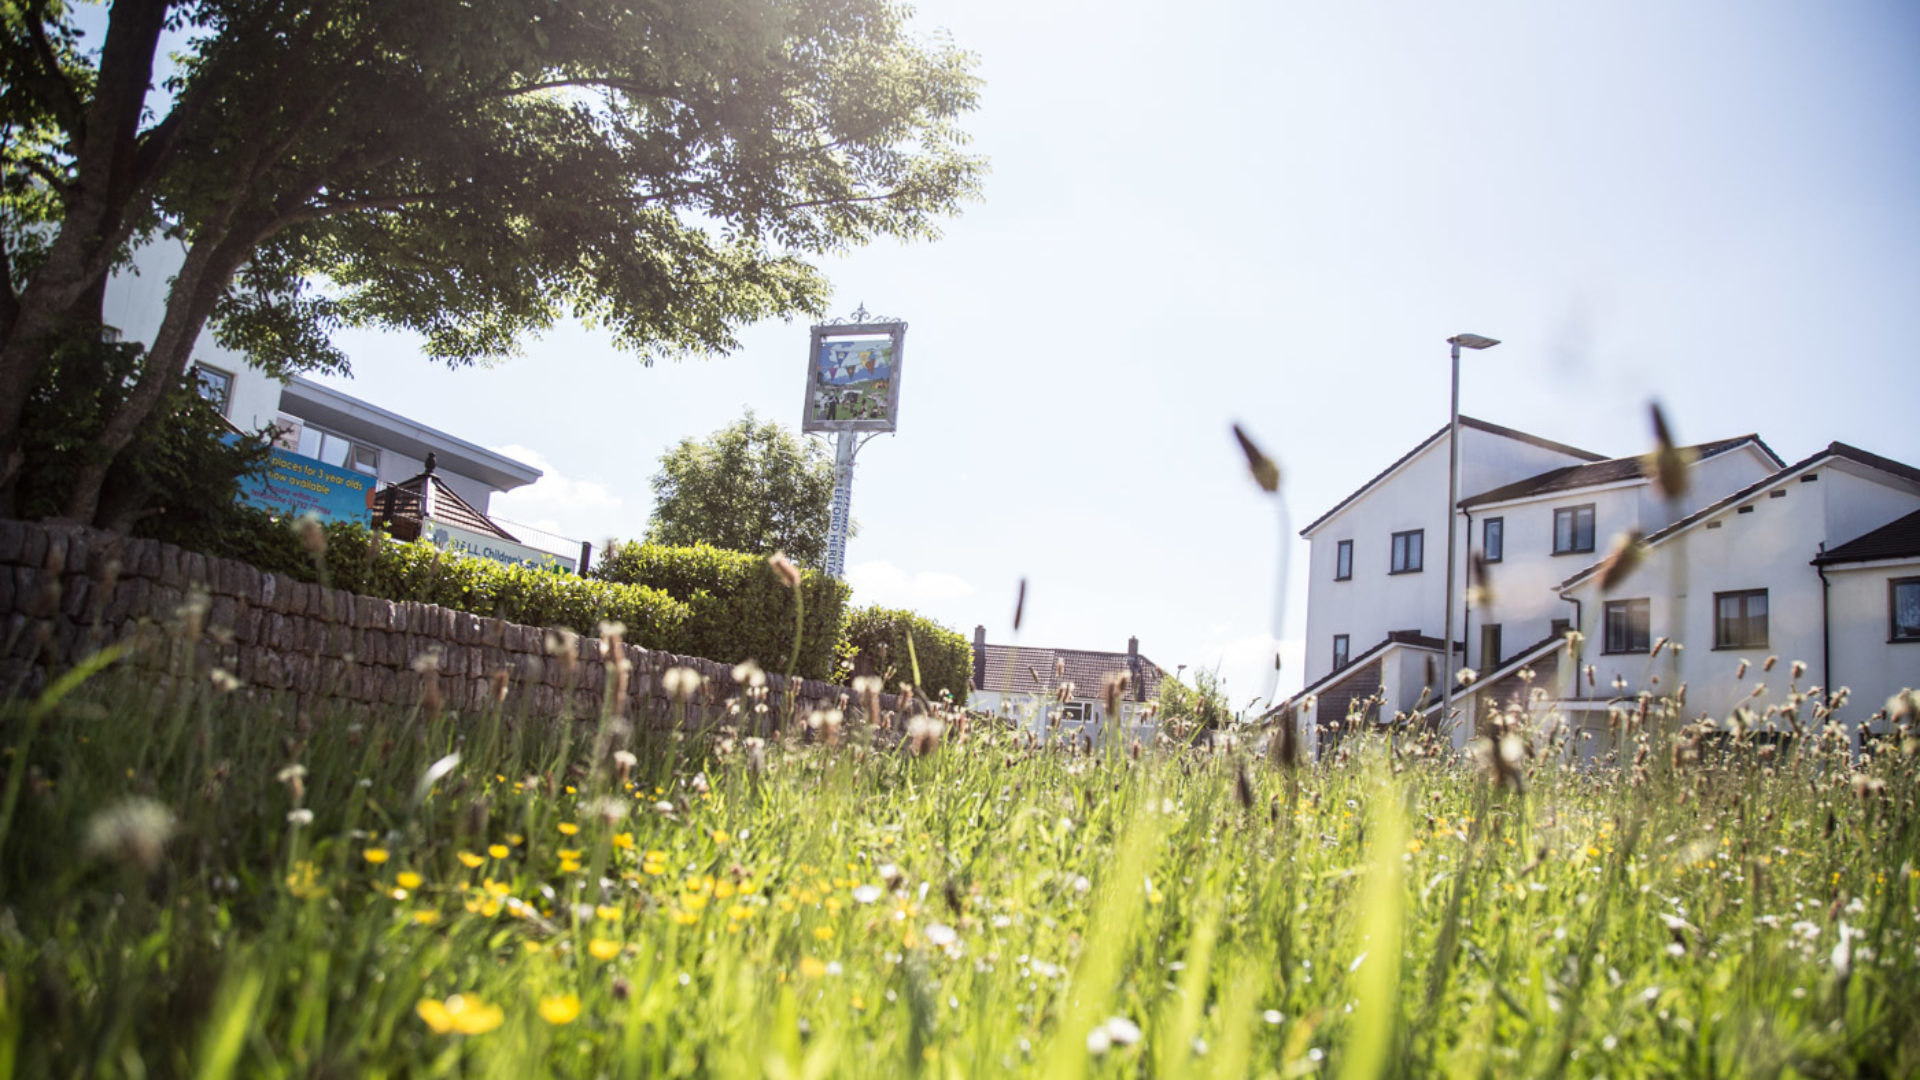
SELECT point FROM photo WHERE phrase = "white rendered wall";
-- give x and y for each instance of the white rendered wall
(1770, 548)
(1414, 496)
(1866, 661)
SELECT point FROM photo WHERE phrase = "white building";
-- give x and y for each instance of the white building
(309, 418)
(1535, 522)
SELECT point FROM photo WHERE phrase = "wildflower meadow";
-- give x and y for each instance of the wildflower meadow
(200, 883)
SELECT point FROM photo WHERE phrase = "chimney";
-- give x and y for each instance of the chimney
(1133, 669)
(979, 657)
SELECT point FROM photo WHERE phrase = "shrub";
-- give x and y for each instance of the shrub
(879, 637)
(738, 608)
(363, 561)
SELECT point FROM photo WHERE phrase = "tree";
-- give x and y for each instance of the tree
(752, 487)
(469, 172)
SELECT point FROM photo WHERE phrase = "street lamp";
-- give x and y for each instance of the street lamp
(1458, 341)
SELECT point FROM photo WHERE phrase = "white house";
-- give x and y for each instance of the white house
(310, 419)
(1817, 563)
(1024, 684)
(1534, 523)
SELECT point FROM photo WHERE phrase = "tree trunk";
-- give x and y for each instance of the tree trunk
(94, 222)
(205, 273)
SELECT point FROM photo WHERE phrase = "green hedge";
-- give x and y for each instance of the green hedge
(880, 635)
(362, 561)
(739, 609)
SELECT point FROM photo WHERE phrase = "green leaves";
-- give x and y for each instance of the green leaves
(752, 487)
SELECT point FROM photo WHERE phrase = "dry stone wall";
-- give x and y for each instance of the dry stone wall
(66, 591)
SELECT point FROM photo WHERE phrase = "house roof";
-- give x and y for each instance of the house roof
(1465, 422)
(1527, 656)
(448, 507)
(350, 416)
(1610, 471)
(1831, 451)
(1395, 637)
(1895, 540)
(1022, 669)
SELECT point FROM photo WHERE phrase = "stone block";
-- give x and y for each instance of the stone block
(171, 573)
(193, 567)
(13, 540)
(33, 551)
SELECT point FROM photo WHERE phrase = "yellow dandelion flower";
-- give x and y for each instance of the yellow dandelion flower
(496, 888)
(375, 855)
(722, 890)
(426, 916)
(568, 828)
(498, 851)
(739, 912)
(603, 948)
(532, 946)
(460, 1013)
(1414, 845)
(693, 901)
(471, 861)
(569, 853)
(719, 836)
(824, 933)
(516, 839)
(435, 1013)
(685, 917)
(489, 908)
(811, 967)
(623, 841)
(407, 879)
(608, 912)
(656, 855)
(569, 866)
(654, 868)
(560, 1009)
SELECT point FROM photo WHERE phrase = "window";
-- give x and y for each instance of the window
(1904, 599)
(340, 451)
(1573, 529)
(214, 385)
(1343, 560)
(1740, 619)
(1408, 551)
(1493, 539)
(1341, 651)
(1627, 626)
(1489, 647)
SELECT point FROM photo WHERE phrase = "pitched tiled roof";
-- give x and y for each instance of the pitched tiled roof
(1021, 669)
(1395, 637)
(448, 506)
(1613, 470)
(1465, 422)
(1832, 450)
(1895, 540)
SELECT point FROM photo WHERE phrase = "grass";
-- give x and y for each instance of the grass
(197, 884)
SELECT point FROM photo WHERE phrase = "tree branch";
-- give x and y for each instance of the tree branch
(68, 107)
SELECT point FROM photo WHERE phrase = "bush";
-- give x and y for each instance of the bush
(360, 560)
(878, 637)
(739, 609)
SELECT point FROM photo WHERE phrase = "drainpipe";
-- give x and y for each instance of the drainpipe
(1579, 628)
(1826, 625)
(1466, 600)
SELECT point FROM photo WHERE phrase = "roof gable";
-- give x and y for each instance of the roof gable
(1610, 471)
(1465, 422)
(1837, 451)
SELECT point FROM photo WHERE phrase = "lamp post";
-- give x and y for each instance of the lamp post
(1458, 341)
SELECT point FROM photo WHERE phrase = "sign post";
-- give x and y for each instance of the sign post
(853, 390)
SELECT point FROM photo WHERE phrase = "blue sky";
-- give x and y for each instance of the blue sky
(1276, 213)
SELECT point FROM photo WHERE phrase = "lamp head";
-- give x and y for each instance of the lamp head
(1472, 341)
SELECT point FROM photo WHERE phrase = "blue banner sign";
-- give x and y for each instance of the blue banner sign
(291, 483)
